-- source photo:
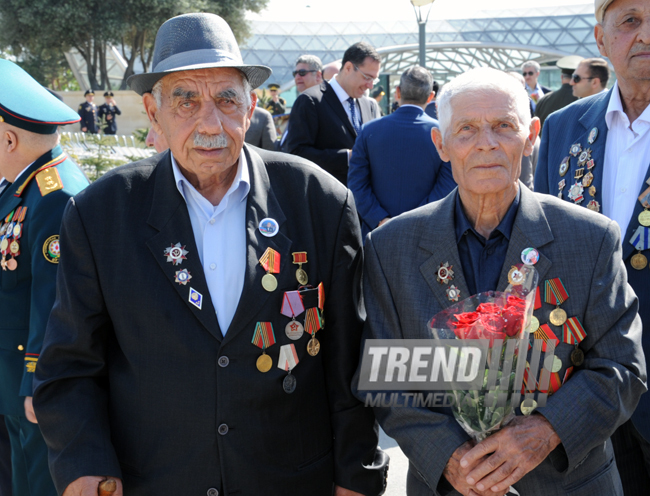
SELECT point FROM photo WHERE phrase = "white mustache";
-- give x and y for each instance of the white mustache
(210, 141)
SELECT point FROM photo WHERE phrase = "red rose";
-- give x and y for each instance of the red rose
(465, 325)
(489, 308)
(514, 315)
(493, 327)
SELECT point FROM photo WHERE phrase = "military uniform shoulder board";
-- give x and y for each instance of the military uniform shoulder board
(49, 180)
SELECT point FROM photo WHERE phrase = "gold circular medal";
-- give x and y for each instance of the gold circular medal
(301, 276)
(4, 244)
(639, 261)
(528, 406)
(515, 276)
(14, 247)
(264, 363)
(12, 264)
(557, 317)
(552, 363)
(534, 324)
(577, 357)
(269, 282)
(313, 346)
(644, 218)
(17, 230)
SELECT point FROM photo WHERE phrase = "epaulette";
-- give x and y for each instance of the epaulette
(47, 177)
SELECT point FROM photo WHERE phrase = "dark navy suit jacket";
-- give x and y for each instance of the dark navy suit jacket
(562, 129)
(395, 167)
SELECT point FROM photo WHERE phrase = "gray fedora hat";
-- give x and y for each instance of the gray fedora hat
(195, 41)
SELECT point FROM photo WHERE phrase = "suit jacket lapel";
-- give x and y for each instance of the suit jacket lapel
(329, 95)
(169, 215)
(260, 204)
(530, 230)
(439, 240)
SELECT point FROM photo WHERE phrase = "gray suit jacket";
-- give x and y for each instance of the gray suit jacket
(583, 249)
(261, 132)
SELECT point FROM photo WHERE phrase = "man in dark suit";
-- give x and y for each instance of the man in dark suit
(107, 113)
(395, 166)
(39, 179)
(261, 132)
(594, 153)
(88, 113)
(176, 359)
(326, 119)
(482, 230)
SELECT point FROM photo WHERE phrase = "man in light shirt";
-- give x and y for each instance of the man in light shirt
(530, 71)
(595, 153)
(169, 363)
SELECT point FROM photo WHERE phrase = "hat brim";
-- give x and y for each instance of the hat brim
(255, 74)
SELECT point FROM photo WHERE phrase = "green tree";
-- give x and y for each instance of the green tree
(45, 29)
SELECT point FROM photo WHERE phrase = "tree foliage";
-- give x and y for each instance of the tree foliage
(40, 31)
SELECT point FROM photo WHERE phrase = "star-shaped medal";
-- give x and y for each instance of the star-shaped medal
(182, 277)
(453, 293)
(176, 253)
(445, 273)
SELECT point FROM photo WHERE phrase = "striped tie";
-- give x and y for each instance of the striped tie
(353, 113)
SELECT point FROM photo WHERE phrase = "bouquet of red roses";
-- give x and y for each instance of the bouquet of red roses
(503, 320)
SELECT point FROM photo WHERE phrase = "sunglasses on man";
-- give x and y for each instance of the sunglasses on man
(302, 72)
(577, 79)
(530, 73)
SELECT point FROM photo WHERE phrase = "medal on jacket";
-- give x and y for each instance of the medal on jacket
(555, 293)
(575, 193)
(264, 338)
(574, 333)
(291, 307)
(564, 165)
(18, 227)
(312, 326)
(270, 261)
(321, 304)
(299, 258)
(287, 361)
(545, 333)
(644, 217)
(445, 273)
(640, 241)
(176, 253)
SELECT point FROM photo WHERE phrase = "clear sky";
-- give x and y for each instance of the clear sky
(386, 10)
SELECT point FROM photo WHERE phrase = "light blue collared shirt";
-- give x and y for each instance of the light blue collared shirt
(220, 235)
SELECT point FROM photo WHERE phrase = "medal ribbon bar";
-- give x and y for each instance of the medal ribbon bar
(264, 336)
(271, 261)
(555, 292)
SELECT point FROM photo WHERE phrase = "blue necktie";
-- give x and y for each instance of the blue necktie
(353, 113)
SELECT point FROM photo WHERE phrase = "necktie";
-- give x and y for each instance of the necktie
(353, 113)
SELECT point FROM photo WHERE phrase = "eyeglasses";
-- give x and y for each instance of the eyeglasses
(302, 72)
(576, 78)
(369, 79)
(530, 73)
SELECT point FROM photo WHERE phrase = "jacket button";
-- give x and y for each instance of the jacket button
(223, 361)
(213, 492)
(21, 347)
(223, 429)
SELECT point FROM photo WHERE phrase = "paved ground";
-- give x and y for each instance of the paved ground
(398, 466)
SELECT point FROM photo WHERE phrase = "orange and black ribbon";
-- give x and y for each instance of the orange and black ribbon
(271, 261)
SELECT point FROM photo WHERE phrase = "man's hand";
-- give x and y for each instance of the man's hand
(109, 117)
(84, 129)
(339, 491)
(506, 456)
(87, 486)
(456, 474)
(29, 410)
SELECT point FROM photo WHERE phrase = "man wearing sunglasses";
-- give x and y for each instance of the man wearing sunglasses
(326, 118)
(590, 77)
(563, 96)
(308, 72)
(530, 71)
(595, 153)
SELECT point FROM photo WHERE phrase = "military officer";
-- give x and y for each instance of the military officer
(40, 180)
(277, 105)
(107, 113)
(88, 113)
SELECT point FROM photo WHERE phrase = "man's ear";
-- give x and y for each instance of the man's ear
(9, 140)
(436, 137)
(535, 126)
(151, 108)
(253, 104)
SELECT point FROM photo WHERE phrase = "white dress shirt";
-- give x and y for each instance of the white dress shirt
(343, 97)
(220, 235)
(626, 161)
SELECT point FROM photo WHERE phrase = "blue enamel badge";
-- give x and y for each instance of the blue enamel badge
(196, 298)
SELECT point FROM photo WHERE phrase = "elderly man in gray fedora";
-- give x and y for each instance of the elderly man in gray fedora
(188, 352)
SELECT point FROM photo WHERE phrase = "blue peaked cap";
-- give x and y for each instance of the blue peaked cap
(26, 104)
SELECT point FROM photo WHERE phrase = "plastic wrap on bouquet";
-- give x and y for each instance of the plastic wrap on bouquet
(504, 319)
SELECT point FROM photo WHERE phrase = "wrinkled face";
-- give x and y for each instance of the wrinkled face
(585, 87)
(308, 80)
(485, 141)
(624, 37)
(203, 116)
(530, 75)
(356, 80)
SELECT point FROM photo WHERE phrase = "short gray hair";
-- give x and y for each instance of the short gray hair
(415, 85)
(533, 64)
(312, 61)
(156, 91)
(482, 79)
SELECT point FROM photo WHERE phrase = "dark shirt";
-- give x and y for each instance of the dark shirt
(481, 259)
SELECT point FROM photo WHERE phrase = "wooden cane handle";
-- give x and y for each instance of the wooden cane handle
(107, 487)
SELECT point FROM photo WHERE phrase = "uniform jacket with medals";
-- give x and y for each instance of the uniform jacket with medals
(402, 293)
(137, 382)
(38, 197)
(88, 113)
(575, 125)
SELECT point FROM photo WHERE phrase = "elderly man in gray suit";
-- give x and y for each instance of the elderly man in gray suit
(481, 229)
